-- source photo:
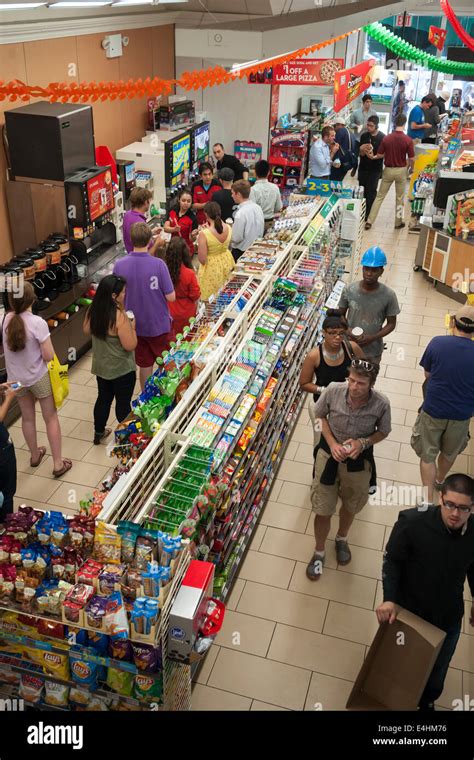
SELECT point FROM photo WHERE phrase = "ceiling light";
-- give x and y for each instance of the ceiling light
(20, 6)
(78, 4)
(132, 2)
(169, 2)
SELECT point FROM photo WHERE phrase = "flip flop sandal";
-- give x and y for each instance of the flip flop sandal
(67, 464)
(42, 451)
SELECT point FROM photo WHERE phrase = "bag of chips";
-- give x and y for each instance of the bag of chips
(56, 694)
(31, 688)
(120, 681)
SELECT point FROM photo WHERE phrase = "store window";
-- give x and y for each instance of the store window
(415, 32)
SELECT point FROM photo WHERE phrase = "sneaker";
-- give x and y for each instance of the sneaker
(368, 225)
(400, 226)
(99, 437)
(343, 553)
(314, 569)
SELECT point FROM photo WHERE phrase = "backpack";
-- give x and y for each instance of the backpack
(350, 158)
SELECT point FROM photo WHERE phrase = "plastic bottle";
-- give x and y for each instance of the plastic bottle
(84, 301)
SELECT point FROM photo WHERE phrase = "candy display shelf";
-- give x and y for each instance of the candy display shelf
(35, 645)
(127, 496)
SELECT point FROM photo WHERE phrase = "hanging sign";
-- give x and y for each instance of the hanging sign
(437, 36)
(350, 83)
(298, 71)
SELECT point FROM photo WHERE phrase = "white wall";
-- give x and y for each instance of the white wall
(219, 43)
(237, 111)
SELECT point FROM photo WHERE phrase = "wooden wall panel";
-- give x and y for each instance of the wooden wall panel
(150, 52)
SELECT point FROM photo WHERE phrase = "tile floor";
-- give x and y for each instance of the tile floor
(288, 643)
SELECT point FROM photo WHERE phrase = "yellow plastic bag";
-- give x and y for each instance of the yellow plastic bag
(59, 381)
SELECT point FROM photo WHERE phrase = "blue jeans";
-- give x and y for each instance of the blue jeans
(435, 685)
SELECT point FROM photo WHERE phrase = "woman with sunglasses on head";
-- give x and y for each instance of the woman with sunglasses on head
(113, 362)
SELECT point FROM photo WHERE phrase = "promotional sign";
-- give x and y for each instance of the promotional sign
(181, 158)
(350, 83)
(437, 36)
(311, 71)
(100, 195)
(315, 225)
(326, 187)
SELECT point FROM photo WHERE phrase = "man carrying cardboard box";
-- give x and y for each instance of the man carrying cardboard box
(427, 558)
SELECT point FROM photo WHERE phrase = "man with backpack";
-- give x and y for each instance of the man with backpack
(345, 159)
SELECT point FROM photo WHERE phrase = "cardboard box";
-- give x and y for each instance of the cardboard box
(397, 667)
(189, 610)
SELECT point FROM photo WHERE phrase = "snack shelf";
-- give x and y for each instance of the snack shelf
(125, 499)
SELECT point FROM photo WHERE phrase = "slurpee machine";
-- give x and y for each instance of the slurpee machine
(127, 179)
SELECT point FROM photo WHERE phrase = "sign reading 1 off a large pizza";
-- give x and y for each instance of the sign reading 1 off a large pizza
(311, 71)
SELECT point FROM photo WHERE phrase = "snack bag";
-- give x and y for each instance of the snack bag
(129, 532)
(83, 672)
(56, 694)
(115, 618)
(145, 657)
(120, 681)
(79, 696)
(121, 649)
(7, 675)
(148, 688)
(99, 642)
(53, 663)
(31, 688)
(107, 543)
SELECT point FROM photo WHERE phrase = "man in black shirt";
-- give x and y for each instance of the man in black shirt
(224, 159)
(224, 197)
(370, 170)
(427, 558)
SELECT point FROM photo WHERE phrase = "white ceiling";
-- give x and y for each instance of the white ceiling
(244, 15)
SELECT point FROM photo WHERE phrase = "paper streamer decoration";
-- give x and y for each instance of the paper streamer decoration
(141, 88)
(411, 53)
(453, 20)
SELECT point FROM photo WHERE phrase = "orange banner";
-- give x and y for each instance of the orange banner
(146, 88)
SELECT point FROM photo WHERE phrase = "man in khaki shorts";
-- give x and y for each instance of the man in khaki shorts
(441, 430)
(353, 417)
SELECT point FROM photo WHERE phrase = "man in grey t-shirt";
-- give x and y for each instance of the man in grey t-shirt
(369, 304)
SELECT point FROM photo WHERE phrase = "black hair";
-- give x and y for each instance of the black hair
(184, 191)
(374, 119)
(459, 483)
(333, 321)
(226, 174)
(366, 97)
(400, 81)
(262, 168)
(205, 165)
(464, 324)
(102, 312)
(427, 99)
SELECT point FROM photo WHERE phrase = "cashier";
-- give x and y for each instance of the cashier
(140, 201)
(203, 190)
(428, 556)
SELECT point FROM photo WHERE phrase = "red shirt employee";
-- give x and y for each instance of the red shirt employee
(185, 282)
(203, 190)
(182, 220)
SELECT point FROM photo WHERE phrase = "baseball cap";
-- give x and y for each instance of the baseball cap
(465, 317)
(338, 120)
(445, 94)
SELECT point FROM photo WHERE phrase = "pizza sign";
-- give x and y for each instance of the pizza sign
(310, 71)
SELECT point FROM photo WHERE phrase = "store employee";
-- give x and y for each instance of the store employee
(322, 153)
(224, 159)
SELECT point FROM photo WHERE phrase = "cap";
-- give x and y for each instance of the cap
(445, 94)
(374, 257)
(338, 120)
(465, 316)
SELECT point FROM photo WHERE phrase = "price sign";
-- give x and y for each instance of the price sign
(324, 187)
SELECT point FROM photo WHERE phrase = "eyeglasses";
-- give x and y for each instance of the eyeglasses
(452, 506)
(338, 334)
(361, 364)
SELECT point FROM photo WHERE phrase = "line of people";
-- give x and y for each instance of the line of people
(431, 548)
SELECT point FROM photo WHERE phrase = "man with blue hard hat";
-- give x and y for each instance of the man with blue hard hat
(370, 306)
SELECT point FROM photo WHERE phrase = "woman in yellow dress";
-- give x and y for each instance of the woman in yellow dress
(215, 259)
